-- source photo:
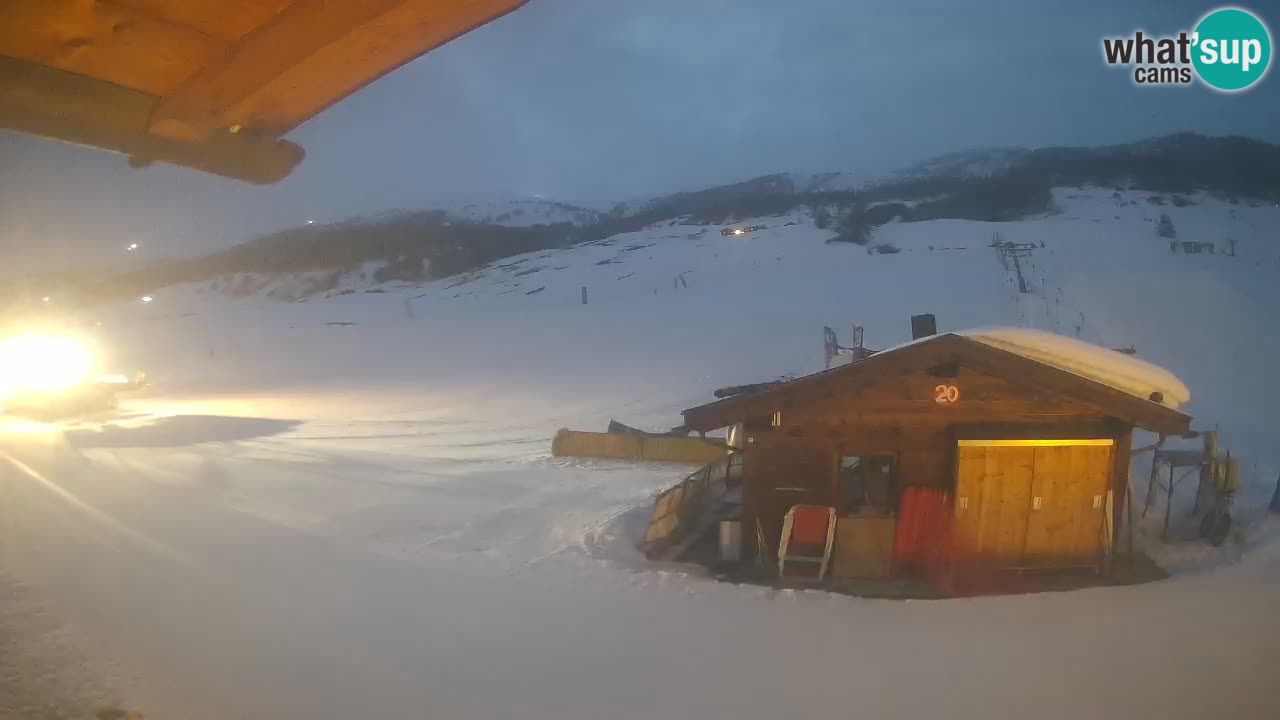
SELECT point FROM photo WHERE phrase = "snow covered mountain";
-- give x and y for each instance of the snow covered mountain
(501, 211)
(829, 182)
(523, 212)
(991, 185)
(985, 163)
(979, 163)
(1178, 162)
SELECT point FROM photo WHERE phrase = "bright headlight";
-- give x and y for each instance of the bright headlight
(42, 363)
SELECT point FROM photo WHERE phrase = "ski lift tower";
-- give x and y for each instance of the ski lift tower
(1011, 253)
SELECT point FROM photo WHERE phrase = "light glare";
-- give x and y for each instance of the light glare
(45, 364)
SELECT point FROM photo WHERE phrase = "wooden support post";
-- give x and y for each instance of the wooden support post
(1128, 499)
(584, 294)
(1208, 454)
(1168, 507)
(1151, 483)
(1121, 490)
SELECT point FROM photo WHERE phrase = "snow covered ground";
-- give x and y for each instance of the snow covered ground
(346, 507)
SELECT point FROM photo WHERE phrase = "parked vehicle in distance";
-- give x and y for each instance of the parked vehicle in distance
(84, 398)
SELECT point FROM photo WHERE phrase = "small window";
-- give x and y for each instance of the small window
(868, 485)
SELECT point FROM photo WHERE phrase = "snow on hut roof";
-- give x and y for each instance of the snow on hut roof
(1115, 369)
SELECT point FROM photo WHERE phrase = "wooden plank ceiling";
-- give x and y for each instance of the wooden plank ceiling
(179, 80)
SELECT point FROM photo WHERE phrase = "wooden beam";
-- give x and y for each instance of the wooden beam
(72, 108)
(934, 417)
(1066, 428)
(309, 56)
(884, 438)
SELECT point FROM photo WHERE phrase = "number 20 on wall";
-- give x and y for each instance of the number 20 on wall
(946, 394)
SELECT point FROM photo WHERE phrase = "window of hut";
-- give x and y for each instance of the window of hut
(868, 485)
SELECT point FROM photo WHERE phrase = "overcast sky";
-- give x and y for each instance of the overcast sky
(593, 101)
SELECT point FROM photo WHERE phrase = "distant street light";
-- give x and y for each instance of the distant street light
(311, 222)
(45, 299)
(132, 247)
(146, 298)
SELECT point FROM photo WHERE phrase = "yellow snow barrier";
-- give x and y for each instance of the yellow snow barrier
(634, 446)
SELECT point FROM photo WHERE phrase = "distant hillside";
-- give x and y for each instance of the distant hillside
(524, 212)
(996, 185)
(986, 163)
(1183, 162)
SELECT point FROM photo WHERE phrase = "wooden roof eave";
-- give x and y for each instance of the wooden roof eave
(45, 102)
(208, 88)
(310, 56)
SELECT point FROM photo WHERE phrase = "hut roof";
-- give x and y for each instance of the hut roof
(1114, 384)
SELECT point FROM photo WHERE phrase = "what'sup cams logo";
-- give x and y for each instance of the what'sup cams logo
(1229, 50)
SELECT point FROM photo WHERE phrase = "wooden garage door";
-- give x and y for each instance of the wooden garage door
(1031, 503)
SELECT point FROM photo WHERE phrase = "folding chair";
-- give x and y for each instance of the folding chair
(805, 548)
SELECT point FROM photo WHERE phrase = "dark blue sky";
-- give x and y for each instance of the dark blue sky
(593, 101)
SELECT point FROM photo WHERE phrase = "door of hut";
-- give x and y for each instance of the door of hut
(993, 497)
(1031, 503)
(786, 475)
(1069, 505)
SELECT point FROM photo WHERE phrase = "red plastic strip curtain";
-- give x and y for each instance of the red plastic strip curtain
(923, 538)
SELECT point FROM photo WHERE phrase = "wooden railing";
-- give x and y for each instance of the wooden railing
(678, 510)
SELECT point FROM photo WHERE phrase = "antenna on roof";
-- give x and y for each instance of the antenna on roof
(830, 346)
(833, 350)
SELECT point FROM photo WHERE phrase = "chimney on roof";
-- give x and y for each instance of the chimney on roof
(923, 326)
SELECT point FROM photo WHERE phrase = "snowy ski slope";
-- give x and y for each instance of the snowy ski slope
(1102, 275)
(345, 507)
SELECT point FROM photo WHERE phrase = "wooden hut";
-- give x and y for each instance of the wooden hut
(1023, 454)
